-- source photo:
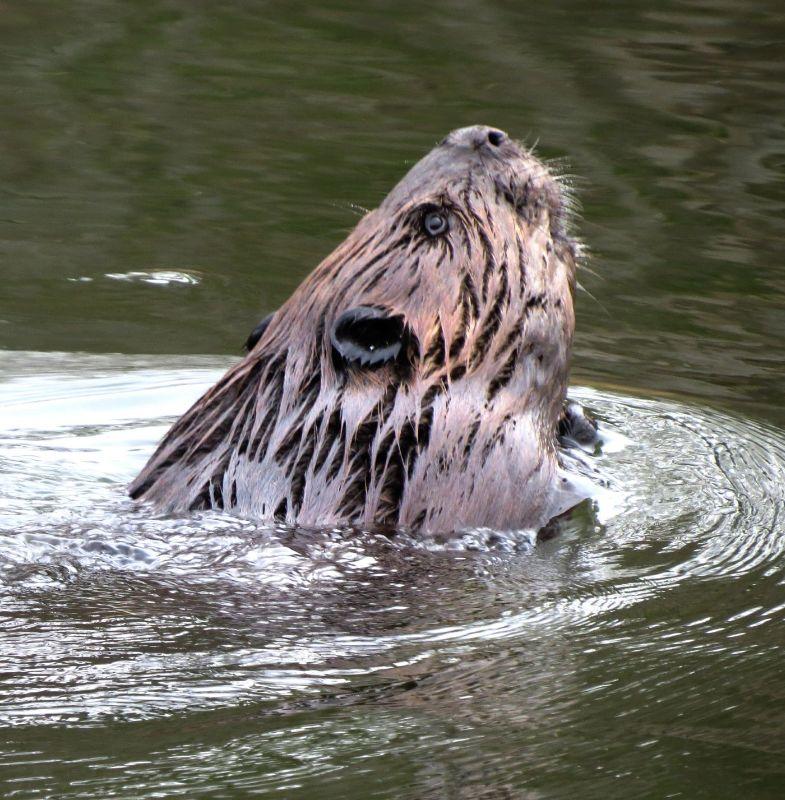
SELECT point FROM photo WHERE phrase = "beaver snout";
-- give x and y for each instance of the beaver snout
(476, 137)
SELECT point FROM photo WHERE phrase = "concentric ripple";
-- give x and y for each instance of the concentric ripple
(111, 615)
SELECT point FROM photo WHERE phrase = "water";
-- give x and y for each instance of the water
(172, 171)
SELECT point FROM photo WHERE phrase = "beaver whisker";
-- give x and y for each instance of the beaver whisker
(586, 268)
(581, 288)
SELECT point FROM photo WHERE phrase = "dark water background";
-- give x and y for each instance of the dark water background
(169, 172)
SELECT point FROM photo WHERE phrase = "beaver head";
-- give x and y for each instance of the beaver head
(416, 377)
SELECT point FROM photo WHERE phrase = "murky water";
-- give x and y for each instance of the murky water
(171, 171)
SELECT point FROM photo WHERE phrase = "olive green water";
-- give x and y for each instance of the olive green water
(169, 173)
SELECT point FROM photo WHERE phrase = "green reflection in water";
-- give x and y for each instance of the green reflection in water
(237, 142)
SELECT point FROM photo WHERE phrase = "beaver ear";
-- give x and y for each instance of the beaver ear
(369, 337)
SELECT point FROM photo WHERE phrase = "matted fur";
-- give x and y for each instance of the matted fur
(467, 436)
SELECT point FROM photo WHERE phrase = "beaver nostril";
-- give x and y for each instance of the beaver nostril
(495, 137)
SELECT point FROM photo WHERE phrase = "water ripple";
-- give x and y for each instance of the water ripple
(113, 614)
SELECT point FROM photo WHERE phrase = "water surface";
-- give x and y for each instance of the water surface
(172, 170)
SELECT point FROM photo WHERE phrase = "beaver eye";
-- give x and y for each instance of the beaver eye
(368, 337)
(435, 223)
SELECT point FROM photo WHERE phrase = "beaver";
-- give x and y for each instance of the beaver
(416, 379)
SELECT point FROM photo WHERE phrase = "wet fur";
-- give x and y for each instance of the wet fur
(463, 433)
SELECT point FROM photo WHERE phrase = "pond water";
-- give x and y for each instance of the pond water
(172, 170)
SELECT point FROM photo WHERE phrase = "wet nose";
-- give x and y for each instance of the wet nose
(476, 136)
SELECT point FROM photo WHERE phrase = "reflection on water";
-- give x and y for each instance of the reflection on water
(173, 170)
(239, 143)
(211, 651)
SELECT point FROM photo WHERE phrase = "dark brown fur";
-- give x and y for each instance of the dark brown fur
(466, 435)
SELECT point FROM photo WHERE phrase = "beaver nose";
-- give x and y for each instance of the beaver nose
(496, 137)
(476, 136)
